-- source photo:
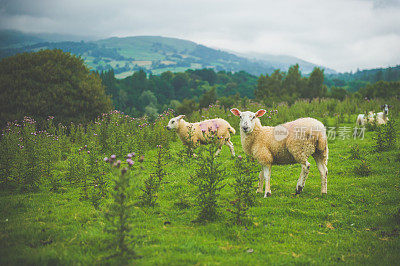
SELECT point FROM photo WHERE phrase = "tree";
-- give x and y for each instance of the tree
(316, 87)
(208, 98)
(50, 83)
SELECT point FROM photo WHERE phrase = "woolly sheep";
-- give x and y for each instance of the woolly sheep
(222, 127)
(289, 143)
(380, 118)
(385, 112)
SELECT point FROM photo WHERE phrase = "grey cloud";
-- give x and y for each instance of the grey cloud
(340, 34)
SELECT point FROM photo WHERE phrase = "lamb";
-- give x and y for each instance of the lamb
(289, 143)
(222, 128)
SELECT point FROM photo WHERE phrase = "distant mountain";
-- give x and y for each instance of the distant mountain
(14, 39)
(154, 54)
(283, 62)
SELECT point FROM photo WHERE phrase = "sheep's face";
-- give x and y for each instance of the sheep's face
(173, 123)
(247, 119)
(385, 109)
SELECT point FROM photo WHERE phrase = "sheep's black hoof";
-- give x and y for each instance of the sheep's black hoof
(299, 190)
(267, 195)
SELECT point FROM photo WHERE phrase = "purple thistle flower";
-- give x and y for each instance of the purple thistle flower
(113, 157)
(239, 157)
(130, 162)
(117, 164)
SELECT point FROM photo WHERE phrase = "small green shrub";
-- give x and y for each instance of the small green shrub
(208, 177)
(355, 152)
(153, 182)
(119, 213)
(245, 178)
(363, 168)
(386, 137)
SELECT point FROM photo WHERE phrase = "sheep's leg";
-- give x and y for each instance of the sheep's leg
(305, 169)
(323, 170)
(267, 176)
(260, 182)
(218, 151)
(230, 145)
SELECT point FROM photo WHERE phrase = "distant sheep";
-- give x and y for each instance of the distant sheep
(380, 118)
(289, 143)
(385, 112)
(198, 130)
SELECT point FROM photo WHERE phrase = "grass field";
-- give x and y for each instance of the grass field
(358, 221)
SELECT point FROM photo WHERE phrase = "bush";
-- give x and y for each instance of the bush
(208, 177)
(363, 169)
(118, 214)
(49, 83)
(153, 182)
(245, 178)
(386, 136)
(355, 152)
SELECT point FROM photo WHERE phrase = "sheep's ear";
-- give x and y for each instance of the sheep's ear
(260, 113)
(235, 111)
(180, 117)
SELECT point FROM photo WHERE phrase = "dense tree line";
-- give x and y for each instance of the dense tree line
(140, 93)
(282, 86)
(50, 83)
(361, 78)
(187, 91)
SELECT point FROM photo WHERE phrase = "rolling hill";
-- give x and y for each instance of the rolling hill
(154, 54)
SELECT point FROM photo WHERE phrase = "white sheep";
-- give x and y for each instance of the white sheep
(379, 118)
(385, 113)
(289, 143)
(199, 130)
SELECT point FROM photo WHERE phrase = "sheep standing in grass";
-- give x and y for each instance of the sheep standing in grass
(380, 118)
(289, 143)
(199, 130)
(385, 112)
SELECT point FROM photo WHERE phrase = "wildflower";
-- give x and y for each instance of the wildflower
(117, 164)
(239, 157)
(88, 152)
(113, 157)
(130, 162)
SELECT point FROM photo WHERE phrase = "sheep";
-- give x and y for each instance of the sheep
(385, 112)
(380, 118)
(223, 130)
(289, 143)
(363, 119)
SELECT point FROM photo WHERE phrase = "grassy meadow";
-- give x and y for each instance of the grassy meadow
(56, 190)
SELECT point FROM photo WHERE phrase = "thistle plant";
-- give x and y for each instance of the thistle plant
(245, 177)
(355, 152)
(363, 169)
(119, 212)
(190, 145)
(153, 182)
(385, 138)
(208, 177)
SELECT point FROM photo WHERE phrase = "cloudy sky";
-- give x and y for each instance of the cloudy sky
(340, 34)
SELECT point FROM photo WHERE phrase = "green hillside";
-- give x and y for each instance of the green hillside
(154, 54)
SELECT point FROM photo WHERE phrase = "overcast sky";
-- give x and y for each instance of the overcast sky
(340, 34)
